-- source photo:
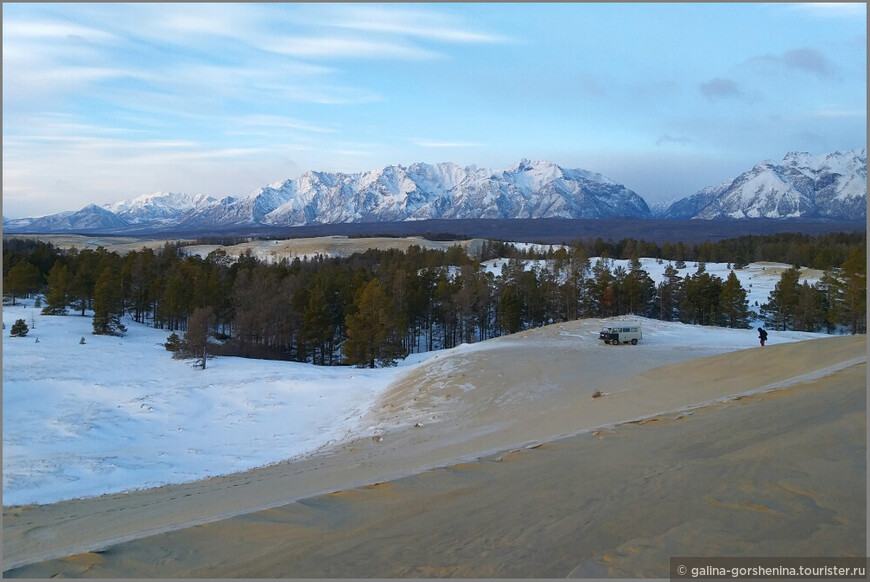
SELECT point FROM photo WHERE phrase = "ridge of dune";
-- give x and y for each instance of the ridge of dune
(484, 392)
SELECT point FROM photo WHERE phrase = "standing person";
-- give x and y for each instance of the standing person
(762, 336)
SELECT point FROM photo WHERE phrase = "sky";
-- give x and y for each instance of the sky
(107, 102)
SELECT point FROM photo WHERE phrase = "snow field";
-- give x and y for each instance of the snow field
(118, 413)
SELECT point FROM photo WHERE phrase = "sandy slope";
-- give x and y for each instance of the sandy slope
(510, 393)
(780, 473)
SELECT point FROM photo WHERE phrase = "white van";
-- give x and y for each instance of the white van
(621, 334)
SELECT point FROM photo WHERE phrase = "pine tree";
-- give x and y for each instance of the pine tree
(372, 334)
(107, 304)
(175, 305)
(733, 303)
(173, 342)
(634, 261)
(510, 311)
(849, 292)
(670, 293)
(809, 312)
(700, 304)
(19, 328)
(598, 297)
(782, 303)
(140, 275)
(445, 313)
(317, 326)
(58, 290)
(22, 280)
(195, 343)
(638, 292)
(86, 267)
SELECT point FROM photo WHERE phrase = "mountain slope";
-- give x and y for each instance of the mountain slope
(831, 186)
(689, 207)
(158, 207)
(424, 192)
(392, 194)
(89, 218)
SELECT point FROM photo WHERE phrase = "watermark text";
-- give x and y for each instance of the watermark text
(694, 568)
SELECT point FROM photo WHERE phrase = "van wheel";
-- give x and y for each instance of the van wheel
(634, 342)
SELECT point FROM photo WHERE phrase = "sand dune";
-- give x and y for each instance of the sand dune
(463, 411)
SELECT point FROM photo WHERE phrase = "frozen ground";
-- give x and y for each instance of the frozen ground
(118, 413)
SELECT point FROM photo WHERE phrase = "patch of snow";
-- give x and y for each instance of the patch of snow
(118, 413)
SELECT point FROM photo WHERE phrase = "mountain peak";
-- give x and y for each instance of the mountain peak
(530, 189)
(831, 186)
(527, 165)
(93, 208)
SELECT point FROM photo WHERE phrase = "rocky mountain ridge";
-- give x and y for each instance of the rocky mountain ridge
(831, 187)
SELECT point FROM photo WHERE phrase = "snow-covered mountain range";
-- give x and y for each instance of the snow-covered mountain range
(423, 191)
(832, 186)
(394, 193)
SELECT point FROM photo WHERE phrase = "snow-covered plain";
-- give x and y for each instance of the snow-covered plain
(118, 413)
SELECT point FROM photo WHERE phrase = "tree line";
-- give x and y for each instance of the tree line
(376, 306)
(838, 299)
(821, 252)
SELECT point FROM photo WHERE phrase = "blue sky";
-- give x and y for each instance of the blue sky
(105, 102)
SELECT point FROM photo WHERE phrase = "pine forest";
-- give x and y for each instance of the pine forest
(376, 306)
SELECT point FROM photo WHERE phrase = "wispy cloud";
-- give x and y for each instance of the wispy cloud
(282, 122)
(229, 20)
(831, 9)
(802, 59)
(326, 47)
(65, 127)
(219, 53)
(265, 85)
(48, 30)
(720, 88)
(43, 61)
(809, 60)
(841, 113)
(410, 23)
(668, 138)
(426, 143)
